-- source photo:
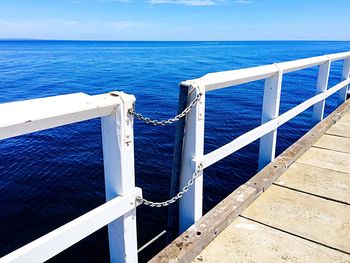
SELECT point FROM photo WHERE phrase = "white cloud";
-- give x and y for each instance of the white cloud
(187, 2)
(109, 1)
(180, 2)
(101, 1)
(244, 1)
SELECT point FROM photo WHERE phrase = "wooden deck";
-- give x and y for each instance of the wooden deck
(297, 209)
(303, 217)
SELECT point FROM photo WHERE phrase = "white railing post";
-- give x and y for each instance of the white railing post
(345, 75)
(322, 84)
(190, 206)
(118, 157)
(271, 106)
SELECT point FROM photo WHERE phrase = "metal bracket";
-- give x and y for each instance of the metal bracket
(197, 161)
(198, 88)
(128, 103)
(201, 109)
(195, 87)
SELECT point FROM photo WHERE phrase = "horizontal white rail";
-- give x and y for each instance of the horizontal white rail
(238, 143)
(28, 116)
(249, 137)
(337, 87)
(67, 235)
(230, 78)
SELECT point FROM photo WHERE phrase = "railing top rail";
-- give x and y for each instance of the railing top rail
(27, 116)
(229, 78)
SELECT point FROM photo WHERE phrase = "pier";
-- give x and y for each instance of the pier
(295, 209)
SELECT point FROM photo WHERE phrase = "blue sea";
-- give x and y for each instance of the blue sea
(51, 177)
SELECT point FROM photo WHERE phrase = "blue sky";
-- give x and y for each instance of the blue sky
(176, 19)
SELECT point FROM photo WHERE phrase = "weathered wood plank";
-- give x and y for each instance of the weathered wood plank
(310, 217)
(187, 246)
(340, 130)
(248, 241)
(345, 119)
(336, 143)
(173, 211)
(317, 181)
(21, 117)
(328, 159)
(270, 111)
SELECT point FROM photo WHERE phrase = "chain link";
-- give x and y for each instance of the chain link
(190, 182)
(177, 196)
(140, 117)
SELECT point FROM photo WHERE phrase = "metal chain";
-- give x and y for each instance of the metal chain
(140, 117)
(190, 182)
(176, 197)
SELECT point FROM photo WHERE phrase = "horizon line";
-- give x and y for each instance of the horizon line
(155, 40)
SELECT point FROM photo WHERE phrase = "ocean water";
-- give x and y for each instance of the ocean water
(51, 177)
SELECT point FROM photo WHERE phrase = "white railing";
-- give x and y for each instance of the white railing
(190, 207)
(119, 212)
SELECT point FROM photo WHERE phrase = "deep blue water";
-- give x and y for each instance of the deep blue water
(49, 178)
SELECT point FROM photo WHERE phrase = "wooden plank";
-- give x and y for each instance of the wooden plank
(336, 143)
(248, 241)
(65, 236)
(191, 204)
(218, 80)
(270, 111)
(328, 159)
(322, 84)
(339, 129)
(119, 171)
(185, 248)
(17, 118)
(345, 120)
(310, 217)
(172, 230)
(230, 78)
(345, 75)
(317, 181)
(337, 87)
